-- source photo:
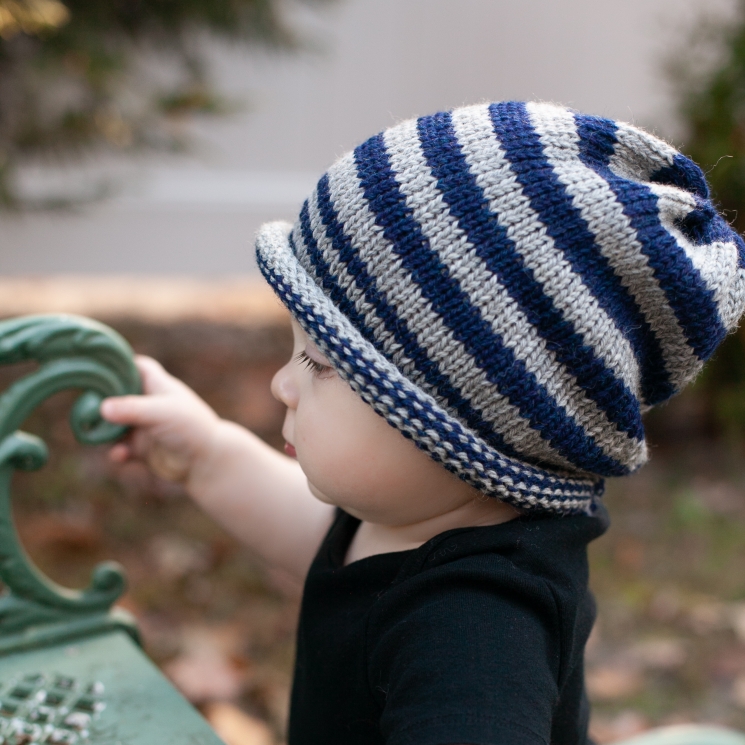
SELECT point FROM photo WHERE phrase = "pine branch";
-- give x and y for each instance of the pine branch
(72, 78)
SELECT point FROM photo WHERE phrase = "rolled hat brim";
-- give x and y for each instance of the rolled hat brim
(405, 406)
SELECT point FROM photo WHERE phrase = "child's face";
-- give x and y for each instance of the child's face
(351, 456)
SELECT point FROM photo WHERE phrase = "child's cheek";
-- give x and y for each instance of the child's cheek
(332, 454)
(337, 441)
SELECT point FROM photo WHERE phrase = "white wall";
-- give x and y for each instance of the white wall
(377, 61)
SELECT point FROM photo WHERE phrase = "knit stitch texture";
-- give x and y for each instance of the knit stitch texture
(511, 285)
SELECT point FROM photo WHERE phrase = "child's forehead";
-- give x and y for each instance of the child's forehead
(301, 337)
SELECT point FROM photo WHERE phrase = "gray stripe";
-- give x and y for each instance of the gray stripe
(301, 248)
(716, 263)
(338, 270)
(495, 304)
(512, 209)
(431, 333)
(637, 154)
(614, 235)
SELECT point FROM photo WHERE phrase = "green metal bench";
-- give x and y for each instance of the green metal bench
(71, 668)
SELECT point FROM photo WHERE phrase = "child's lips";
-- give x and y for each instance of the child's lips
(290, 450)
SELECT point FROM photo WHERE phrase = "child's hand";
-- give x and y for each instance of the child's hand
(258, 494)
(173, 428)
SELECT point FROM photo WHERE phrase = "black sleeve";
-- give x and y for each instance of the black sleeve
(465, 655)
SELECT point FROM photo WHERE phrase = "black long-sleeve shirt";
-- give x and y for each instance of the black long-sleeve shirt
(476, 637)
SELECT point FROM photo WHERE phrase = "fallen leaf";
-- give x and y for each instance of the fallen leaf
(738, 691)
(175, 557)
(271, 692)
(737, 619)
(721, 497)
(629, 553)
(202, 677)
(205, 671)
(626, 724)
(659, 654)
(665, 605)
(612, 682)
(236, 727)
(57, 532)
(708, 617)
(727, 662)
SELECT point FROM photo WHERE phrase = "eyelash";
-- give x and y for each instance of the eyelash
(316, 367)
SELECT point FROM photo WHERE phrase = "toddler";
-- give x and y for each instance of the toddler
(484, 302)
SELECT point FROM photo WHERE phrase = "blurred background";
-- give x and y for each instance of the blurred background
(142, 144)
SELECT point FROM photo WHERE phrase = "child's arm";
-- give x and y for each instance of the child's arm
(257, 494)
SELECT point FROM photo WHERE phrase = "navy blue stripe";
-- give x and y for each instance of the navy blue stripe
(448, 431)
(597, 139)
(394, 324)
(497, 361)
(684, 174)
(492, 244)
(686, 292)
(596, 147)
(704, 225)
(323, 271)
(571, 235)
(699, 225)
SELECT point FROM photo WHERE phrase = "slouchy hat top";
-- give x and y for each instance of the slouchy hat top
(511, 286)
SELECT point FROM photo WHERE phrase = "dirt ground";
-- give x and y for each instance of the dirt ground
(669, 645)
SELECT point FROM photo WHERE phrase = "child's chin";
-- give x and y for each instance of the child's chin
(319, 495)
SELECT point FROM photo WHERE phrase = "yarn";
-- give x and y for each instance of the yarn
(511, 285)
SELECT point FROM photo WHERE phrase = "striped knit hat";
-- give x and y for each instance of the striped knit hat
(511, 286)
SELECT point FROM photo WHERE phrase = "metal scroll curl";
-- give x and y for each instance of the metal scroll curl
(73, 353)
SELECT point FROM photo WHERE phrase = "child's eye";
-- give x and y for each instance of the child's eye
(316, 367)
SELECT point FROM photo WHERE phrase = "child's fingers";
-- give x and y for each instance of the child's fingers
(154, 377)
(120, 453)
(156, 380)
(137, 411)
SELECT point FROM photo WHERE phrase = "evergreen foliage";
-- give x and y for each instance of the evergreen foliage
(712, 104)
(80, 73)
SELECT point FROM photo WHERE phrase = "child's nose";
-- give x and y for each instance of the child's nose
(283, 387)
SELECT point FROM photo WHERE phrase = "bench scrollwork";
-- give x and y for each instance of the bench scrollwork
(72, 353)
